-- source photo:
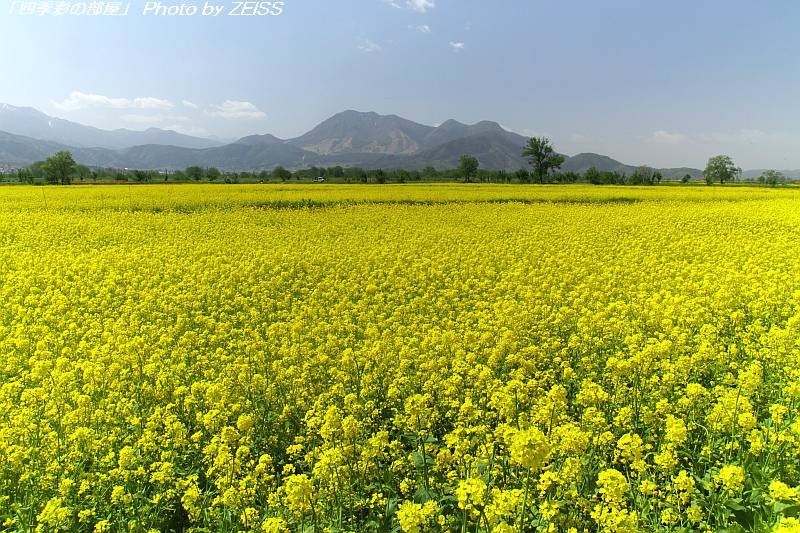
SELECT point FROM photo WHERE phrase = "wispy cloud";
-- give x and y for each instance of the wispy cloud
(422, 28)
(457, 46)
(666, 137)
(190, 105)
(236, 109)
(80, 100)
(365, 45)
(417, 5)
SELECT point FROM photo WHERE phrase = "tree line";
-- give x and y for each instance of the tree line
(546, 163)
(545, 167)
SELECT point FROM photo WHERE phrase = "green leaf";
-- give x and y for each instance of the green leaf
(789, 510)
(735, 505)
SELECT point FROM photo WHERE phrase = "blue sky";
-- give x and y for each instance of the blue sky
(659, 83)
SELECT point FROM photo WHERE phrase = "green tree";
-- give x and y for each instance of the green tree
(213, 174)
(430, 172)
(83, 172)
(772, 178)
(542, 157)
(722, 169)
(686, 178)
(59, 168)
(522, 175)
(139, 175)
(281, 173)
(593, 176)
(468, 167)
(194, 173)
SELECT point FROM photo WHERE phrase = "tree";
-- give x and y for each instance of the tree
(772, 178)
(468, 167)
(59, 168)
(139, 175)
(213, 174)
(522, 175)
(83, 172)
(194, 173)
(686, 178)
(542, 157)
(722, 169)
(593, 176)
(429, 172)
(281, 173)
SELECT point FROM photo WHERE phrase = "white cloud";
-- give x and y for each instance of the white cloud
(421, 5)
(190, 105)
(368, 46)
(80, 100)
(417, 5)
(152, 103)
(235, 109)
(422, 28)
(666, 137)
(457, 46)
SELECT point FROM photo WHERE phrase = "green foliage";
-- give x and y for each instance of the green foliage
(194, 173)
(213, 174)
(468, 167)
(722, 169)
(542, 157)
(281, 173)
(772, 178)
(59, 168)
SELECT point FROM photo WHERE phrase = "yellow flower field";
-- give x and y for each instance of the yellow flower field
(399, 358)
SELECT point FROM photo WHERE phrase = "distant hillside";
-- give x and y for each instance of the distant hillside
(19, 150)
(350, 139)
(755, 173)
(354, 132)
(494, 150)
(453, 130)
(29, 122)
(582, 162)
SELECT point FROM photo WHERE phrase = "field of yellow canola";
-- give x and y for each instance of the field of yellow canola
(399, 358)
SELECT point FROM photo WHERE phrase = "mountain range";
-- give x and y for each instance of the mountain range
(350, 138)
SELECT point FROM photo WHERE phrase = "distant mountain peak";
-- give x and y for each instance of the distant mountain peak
(490, 124)
(256, 140)
(451, 122)
(30, 122)
(350, 138)
(352, 131)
